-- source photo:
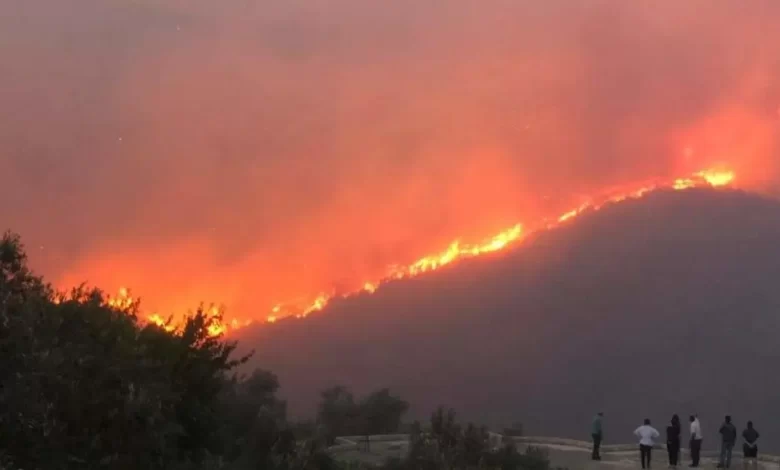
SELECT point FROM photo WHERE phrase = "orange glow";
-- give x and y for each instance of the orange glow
(160, 321)
(683, 183)
(212, 167)
(729, 141)
(573, 213)
(717, 178)
(123, 300)
(456, 251)
(369, 287)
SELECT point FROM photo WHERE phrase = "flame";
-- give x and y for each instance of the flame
(456, 251)
(717, 178)
(370, 287)
(573, 213)
(123, 300)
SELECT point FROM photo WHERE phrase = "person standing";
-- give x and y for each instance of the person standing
(597, 434)
(647, 435)
(728, 433)
(696, 439)
(750, 447)
(673, 441)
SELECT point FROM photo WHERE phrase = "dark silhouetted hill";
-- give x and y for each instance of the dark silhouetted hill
(670, 304)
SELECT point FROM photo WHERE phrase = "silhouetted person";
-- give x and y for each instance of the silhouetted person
(728, 435)
(696, 439)
(647, 435)
(597, 434)
(673, 441)
(750, 447)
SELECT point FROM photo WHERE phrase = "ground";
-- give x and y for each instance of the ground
(567, 456)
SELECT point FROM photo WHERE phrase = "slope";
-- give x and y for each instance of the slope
(649, 307)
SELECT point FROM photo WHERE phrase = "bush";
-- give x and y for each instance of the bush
(340, 414)
(448, 445)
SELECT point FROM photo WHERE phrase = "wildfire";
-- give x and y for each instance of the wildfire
(123, 300)
(717, 178)
(456, 251)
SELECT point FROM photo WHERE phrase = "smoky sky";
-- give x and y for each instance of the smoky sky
(247, 152)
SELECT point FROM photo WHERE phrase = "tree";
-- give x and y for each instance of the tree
(337, 413)
(378, 413)
(254, 419)
(381, 412)
(84, 384)
(449, 446)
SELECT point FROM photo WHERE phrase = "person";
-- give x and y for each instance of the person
(646, 434)
(728, 435)
(673, 441)
(696, 439)
(597, 434)
(750, 447)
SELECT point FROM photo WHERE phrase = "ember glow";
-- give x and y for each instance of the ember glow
(456, 251)
(269, 157)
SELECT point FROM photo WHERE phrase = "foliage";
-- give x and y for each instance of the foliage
(341, 415)
(448, 446)
(84, 384)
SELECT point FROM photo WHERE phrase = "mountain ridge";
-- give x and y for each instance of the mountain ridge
(664, 294)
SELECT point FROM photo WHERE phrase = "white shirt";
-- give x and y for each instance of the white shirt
(646, 434)
(696, 430)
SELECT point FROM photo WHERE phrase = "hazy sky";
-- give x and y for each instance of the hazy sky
(248, 152)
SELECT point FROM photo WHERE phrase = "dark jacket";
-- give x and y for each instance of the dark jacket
(595, 429)
(750, 435)
(729, 433)
(673, 434)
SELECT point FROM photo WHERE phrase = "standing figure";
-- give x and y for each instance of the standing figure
(673, 441)
(728, 435)
(696, 439)
(597, 435)
(647, 435)
(750, 447)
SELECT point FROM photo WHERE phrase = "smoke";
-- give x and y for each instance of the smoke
(248, 152)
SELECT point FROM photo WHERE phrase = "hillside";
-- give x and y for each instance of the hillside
(666, 304)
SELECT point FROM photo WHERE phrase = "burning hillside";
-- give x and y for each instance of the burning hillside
(456, 251)
(273, 156)
(576, 319)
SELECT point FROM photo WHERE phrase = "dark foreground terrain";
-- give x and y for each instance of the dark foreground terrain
(647, 308)
(567, 456)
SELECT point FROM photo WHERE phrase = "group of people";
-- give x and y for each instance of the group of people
(647, 435)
